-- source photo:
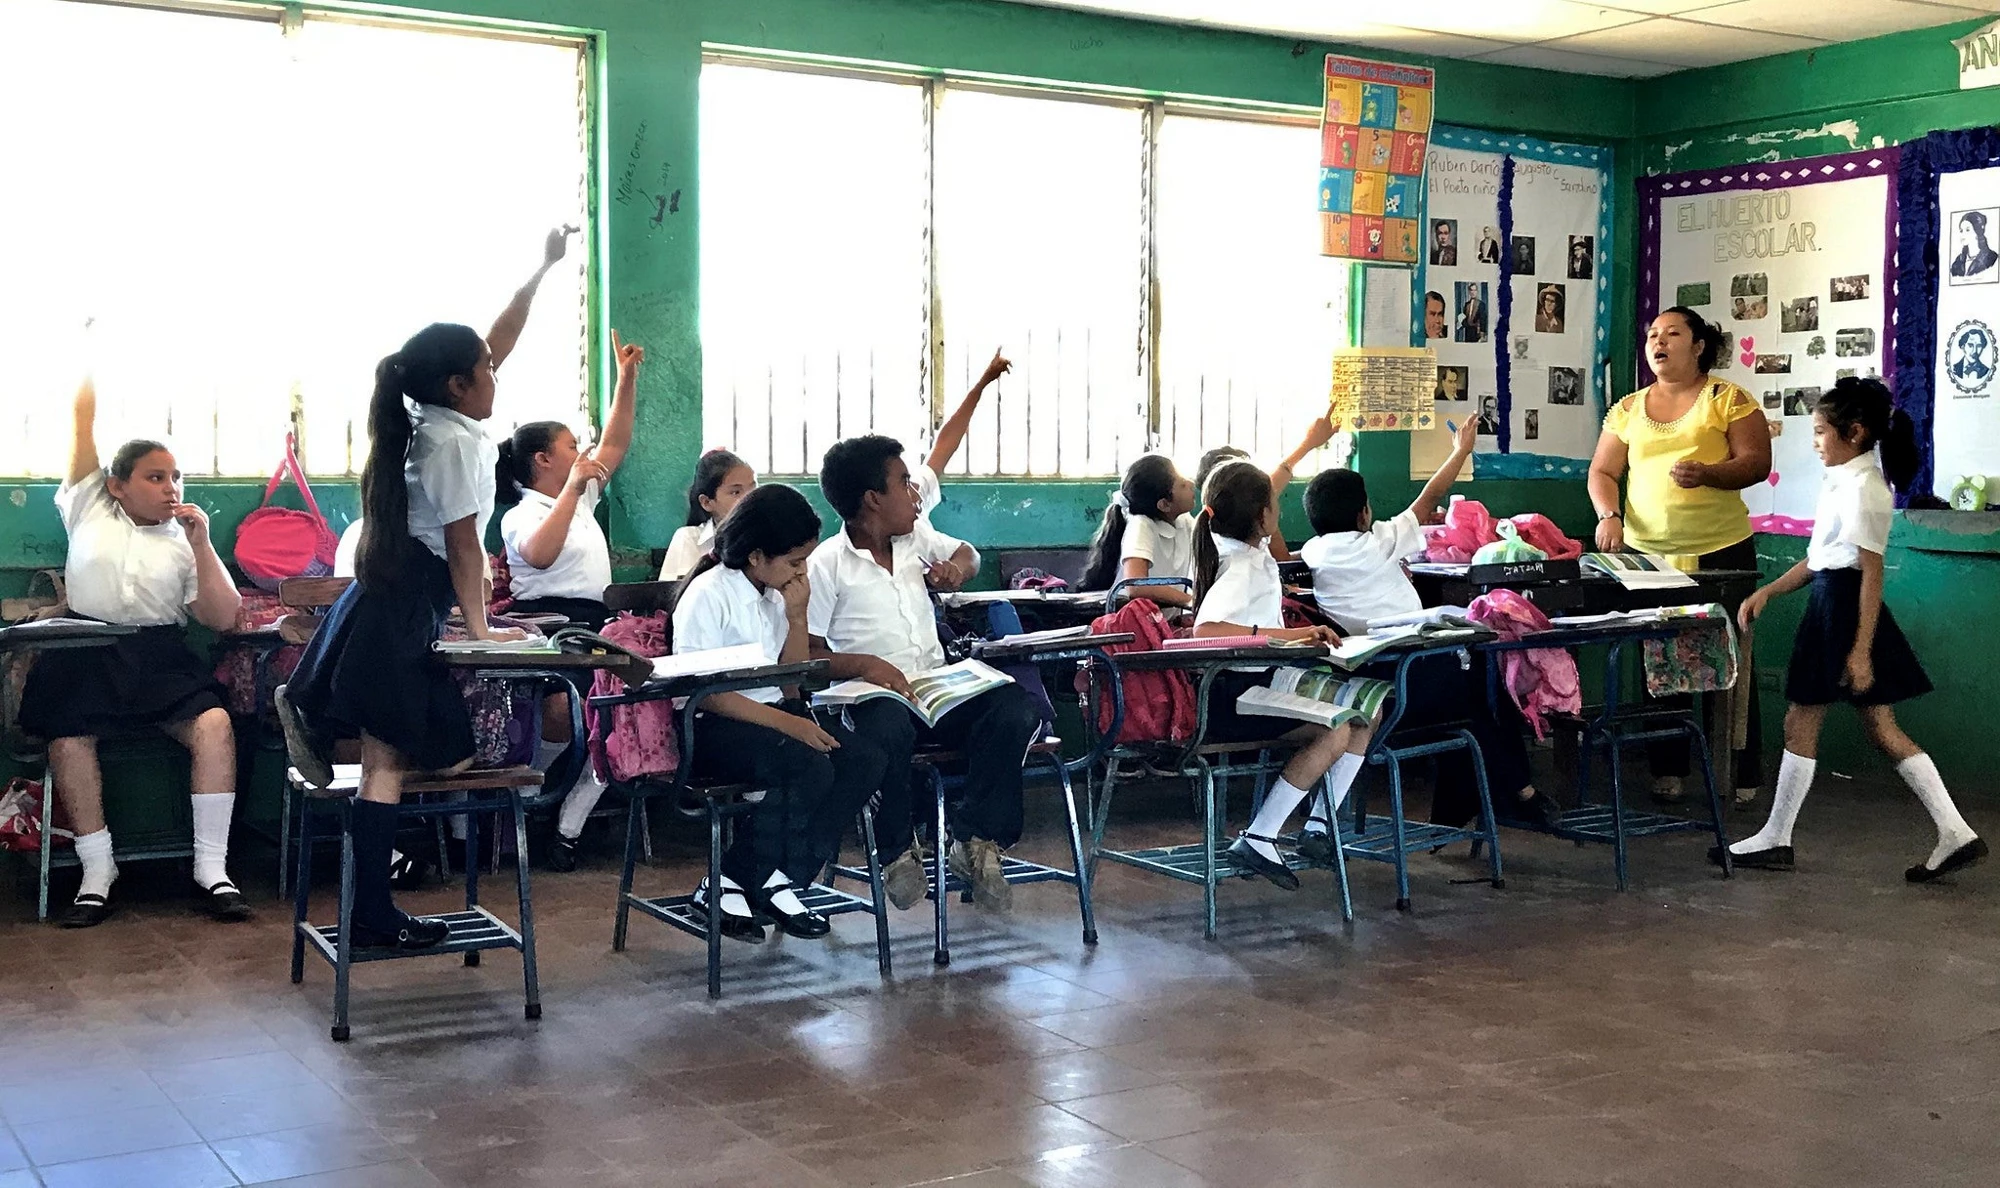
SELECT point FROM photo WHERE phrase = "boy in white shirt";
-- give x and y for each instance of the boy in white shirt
(870, 615)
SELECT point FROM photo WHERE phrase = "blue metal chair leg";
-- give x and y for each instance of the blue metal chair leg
(343, 962)
(1100, 813)
(940, 875)
(875, 891)
(301, 888)
(1397, 824)
(472, 875)
(1617, 763)
(1081, 867)
(1339, 855)
(530, 976)
(1211, 838)
(1702, 756)
(633, 819)
(1486, 817)
(714, 900)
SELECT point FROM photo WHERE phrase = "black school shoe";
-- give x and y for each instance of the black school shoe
(1317, 847)
(806, 925)
(415, 933)
(1539, 811)
(743, 928)
(1769, 858)
(562, 854)
(1251, 863)
(223, 902)
(87, 911)
(1958, 859)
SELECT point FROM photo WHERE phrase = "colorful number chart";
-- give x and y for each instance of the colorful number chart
(1373, 133)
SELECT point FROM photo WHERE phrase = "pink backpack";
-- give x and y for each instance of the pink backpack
(1541, 681)
(641, 740)
(1159, 706)
(1540, 531)
(1467, 526)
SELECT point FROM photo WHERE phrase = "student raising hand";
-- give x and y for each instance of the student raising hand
(557, 243)
(628, 354)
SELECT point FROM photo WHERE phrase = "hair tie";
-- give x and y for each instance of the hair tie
(1208, 511)
(1119, 501)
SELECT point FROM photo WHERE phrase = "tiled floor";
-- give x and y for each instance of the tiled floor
(1828, 1027)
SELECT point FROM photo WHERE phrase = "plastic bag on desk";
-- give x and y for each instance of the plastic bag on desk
(1467, 526)
(1509, 547)
(1540, 531)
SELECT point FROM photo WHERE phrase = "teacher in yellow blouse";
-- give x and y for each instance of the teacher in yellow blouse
(1685, 445)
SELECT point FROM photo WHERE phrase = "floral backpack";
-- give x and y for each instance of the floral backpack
(1542, 681)
(641, 740)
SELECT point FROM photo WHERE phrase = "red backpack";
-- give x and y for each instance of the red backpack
(1159, 706)
(275, 543)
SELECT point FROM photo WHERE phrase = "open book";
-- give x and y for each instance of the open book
(1052, 635)
(938, 692)
(1638, 571)
(1315, 695)
(1651, 614)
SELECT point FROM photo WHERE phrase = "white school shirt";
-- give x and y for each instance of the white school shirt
(450, 474)
(1358, 576)
(857, 606)
(347, 550)
(690, 544)
(140, 575)
(930, 492)
(581, 570)
(1853, 514)
(722, 609)
(1247, 591)
(1167, 547)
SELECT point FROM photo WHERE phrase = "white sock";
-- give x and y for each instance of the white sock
(782, 896)
(1795, 776)
(1922, 776)
(1279, 802)
(577, 805)
(1341, 779)
(733, 901)
(212, 813)
(99, 871)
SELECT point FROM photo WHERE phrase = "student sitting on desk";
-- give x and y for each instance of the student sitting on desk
(557, 554)
(753, 590)
(1237, 592)
(140, 557)
(871, 615)
(1147, 532)
(1358, 575)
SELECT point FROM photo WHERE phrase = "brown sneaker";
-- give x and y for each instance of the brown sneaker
(903, 879)
(978, 863)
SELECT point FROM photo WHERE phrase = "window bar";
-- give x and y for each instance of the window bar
(805, 422)
(930, 389)
(771, 415)
(839, 398)
(1089, 395)
(1149, 267)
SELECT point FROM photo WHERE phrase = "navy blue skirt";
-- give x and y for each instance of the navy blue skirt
(370, 670)
(1826, 635)
(149, 678)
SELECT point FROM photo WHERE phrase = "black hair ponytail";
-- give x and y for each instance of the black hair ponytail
(1147, 481)
(516, 469)
(1232, 505)
(421, 371)
(1866, 402)
(1707, 337)
(772, 520)
(709, 471)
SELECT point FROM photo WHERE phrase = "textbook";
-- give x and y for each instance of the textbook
(1452, 615)
(1052, 635)
(1357, 650)
(1315, 695)
(938, 692)
(1638, 571)
(708, 662)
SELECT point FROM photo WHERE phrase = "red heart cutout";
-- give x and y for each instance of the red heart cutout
(1773, 480)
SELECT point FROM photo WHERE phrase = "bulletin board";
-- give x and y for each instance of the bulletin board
(1374, 128)
(1796, 261)
(1518, 252)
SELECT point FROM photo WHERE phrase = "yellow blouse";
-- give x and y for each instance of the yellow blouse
(1660, 516)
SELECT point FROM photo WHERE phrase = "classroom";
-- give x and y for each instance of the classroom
(1065, 592)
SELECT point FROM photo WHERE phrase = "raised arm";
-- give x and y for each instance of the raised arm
(1461, 449)
(83, 443)
(617, 439)
(1317, 434)
(1607, 466)
(951, 434)
(507, 327)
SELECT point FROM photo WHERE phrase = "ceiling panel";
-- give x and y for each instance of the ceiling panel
(1831, 20)
(1684, 43)
(1544, 57)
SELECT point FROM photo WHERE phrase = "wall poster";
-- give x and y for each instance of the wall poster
(1374, 128)
(1515, 296)
(1966, 420)
(1796, 261)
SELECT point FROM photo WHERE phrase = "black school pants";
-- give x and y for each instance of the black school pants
(1673, 756)
(810, 796)
(992, 732)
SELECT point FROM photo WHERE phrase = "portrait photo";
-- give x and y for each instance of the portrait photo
(1444, 242)
(1550, 303)
(1565, 385)
(1974, 260)
(1452, 384)
(1469, 304)
(1583, 257)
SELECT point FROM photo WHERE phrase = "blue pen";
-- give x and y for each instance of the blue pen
(1450, 428)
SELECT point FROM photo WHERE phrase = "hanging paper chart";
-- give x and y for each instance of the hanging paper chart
(1795, 260)
(1374, 128)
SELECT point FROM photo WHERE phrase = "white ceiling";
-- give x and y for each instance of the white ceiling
(1628, 39)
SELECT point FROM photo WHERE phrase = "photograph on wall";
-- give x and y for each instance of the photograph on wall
(1800, 315)
(1531, 424)
(1375, 125)
(1489, 415)
(1974, 258)
(1804, 252)
(1444, 242)
(1453, 385)
(1524, 255)
(1437, 320)
(1489, 246)
(1582, 257)
(1565, 386)
(1970, 361)
(1470, 302)
(1693, 296)
(1550, 300)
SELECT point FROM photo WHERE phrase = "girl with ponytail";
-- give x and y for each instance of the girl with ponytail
(1147, 532)
(753, 590)
(720, 479)
(369, 673)
(1848, 646)
(1237, 592)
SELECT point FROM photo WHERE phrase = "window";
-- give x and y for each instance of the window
(253, 218)
(868, 242)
